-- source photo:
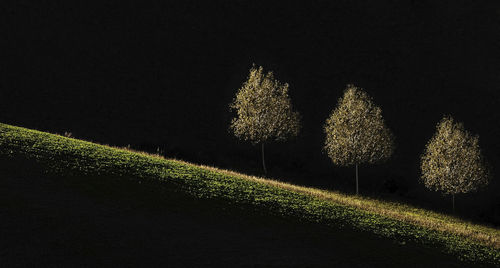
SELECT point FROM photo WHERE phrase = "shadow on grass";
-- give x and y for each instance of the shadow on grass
(108, 221)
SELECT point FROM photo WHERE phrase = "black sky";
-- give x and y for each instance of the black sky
(163, 73)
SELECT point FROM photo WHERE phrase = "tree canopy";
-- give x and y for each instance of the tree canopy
(264, 110)
(356, 132)
(452, 161)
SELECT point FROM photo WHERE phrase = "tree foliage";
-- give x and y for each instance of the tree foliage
(356, 132)
(452, 161)
(264, 110)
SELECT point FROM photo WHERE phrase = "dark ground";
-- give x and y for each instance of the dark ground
(88, 222)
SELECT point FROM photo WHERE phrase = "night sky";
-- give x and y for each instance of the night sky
(163, 74)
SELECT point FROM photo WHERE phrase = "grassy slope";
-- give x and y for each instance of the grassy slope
(470, 242)
(68, 221)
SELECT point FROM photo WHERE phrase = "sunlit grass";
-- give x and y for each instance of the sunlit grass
(426, 218)
(401, 222)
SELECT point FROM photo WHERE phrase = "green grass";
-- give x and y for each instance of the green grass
(470, 242)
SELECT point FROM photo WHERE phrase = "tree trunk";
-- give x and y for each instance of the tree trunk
(263, 160)
(357, 184)
(453, 202)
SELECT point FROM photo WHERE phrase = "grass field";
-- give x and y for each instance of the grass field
(66, 157)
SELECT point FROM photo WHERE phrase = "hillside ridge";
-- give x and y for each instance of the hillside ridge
(64, 156)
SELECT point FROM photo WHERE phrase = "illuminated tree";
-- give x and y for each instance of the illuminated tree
(356, 132)
(264, 111)
(452, 160)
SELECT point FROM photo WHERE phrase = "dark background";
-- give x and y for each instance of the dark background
(161, 75)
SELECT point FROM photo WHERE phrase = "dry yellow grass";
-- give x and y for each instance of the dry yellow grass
(484, 234)
(472, 242)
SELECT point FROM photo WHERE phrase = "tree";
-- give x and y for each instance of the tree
(452, 161)
(264, 111)
(356, 132)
